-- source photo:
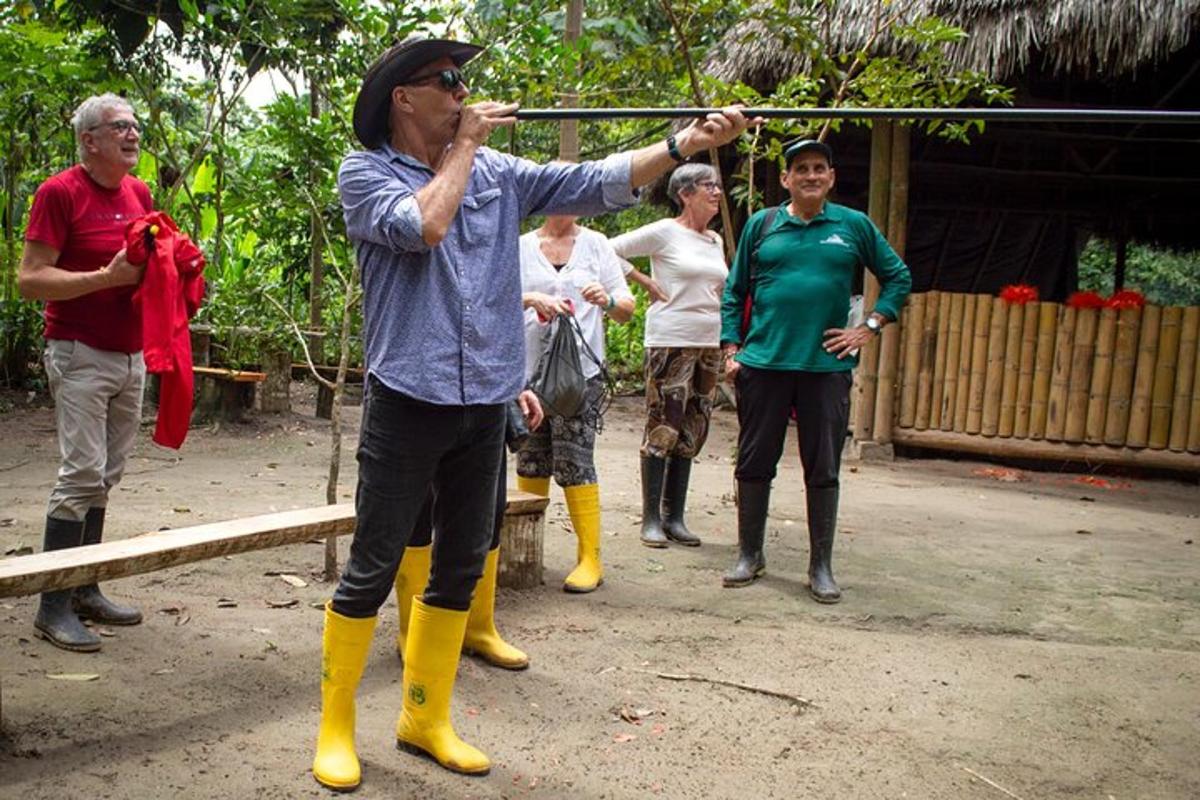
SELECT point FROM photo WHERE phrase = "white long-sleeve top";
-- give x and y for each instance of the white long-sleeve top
(690, 267)
(592, 261)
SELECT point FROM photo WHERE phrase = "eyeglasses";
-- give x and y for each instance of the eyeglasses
(448, 79)
(708, 186)
(121, 127)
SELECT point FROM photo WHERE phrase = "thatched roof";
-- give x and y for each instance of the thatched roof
(1084, 38)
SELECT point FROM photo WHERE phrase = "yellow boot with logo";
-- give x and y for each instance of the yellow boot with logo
(482, 638)
(346, 644)
(583, 504)
(435, 639)
(411, 580)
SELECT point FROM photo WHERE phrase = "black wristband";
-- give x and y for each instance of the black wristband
(673, 149)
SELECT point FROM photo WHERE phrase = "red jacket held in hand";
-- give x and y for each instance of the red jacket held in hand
(170, 293)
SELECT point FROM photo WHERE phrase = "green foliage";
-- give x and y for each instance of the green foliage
(1165, 277)
(256, 187)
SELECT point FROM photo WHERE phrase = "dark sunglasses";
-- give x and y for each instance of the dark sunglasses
(448, 79)
(121, 127)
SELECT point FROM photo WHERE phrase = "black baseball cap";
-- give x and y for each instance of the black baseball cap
(806, 145)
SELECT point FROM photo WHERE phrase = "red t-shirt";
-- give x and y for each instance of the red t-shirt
(86, 222)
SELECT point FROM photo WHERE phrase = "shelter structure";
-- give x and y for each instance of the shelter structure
(967, 370)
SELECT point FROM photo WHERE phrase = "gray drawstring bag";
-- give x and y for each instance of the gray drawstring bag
(558, 377)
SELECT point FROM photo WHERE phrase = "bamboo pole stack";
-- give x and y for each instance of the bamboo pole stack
(976, 365)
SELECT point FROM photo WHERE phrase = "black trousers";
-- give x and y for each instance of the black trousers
(423, 531)
(406, 449)
(765, 399)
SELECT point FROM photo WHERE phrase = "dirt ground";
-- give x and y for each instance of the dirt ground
(1002, 634)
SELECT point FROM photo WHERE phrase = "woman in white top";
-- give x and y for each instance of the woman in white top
(683, 353)
(563, 261)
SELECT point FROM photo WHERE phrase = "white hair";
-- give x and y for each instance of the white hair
(90, 113)
(685, 177)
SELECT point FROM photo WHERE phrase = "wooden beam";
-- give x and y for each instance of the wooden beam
(65, 569)
(235, 375)
(1048, 451)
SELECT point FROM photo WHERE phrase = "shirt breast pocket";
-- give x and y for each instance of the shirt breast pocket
(481, 216)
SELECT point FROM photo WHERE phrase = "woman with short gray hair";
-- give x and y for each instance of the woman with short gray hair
(682, 342)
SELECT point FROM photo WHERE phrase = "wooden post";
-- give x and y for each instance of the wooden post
(897, 234)
(953, 356)
(1116, 418)
(866, 376)
(965, 350)
(912, 326)
(1185, 365)
(928, 355)
(1011, 369)
(1086, 320)
(1025, 366)
(1138, 434)
(994, 377)
(941, 347)
(1043, 368)
(1060, 378)
(1102, 364)
(979, 366)
(1162, 398)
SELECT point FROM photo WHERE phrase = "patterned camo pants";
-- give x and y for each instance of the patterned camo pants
(680, 385)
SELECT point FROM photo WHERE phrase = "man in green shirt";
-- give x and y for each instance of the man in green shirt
(794, 350)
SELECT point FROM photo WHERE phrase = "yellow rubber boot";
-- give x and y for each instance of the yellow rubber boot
(346, 643)
(538, 486)
(583, 504)
(435, 638)
(411, 580)
(482, 638)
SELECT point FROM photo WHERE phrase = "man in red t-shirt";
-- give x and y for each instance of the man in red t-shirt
(74, 260)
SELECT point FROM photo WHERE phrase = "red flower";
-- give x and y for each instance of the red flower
(1085, 300)
(1019, 294)
(1126, 298)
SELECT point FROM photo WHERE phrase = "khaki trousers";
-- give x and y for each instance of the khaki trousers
(98, 408)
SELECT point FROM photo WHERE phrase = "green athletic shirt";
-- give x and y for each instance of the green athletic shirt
(802, 286)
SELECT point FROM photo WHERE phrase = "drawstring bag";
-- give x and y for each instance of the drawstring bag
(558, 377)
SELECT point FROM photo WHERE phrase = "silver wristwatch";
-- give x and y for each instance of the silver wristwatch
(873, 325)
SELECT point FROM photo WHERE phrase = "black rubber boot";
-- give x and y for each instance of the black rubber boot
(55, 621)
(675, 489)
(822, 522)
(88, 602)
(652, 489)
(753, 499)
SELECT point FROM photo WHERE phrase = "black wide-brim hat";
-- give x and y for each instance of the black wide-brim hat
(398, 64)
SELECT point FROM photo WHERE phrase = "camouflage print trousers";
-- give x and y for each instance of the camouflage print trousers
(680, 385)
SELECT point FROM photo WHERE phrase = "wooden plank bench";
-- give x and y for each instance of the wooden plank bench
(520, 536)
(224, 393)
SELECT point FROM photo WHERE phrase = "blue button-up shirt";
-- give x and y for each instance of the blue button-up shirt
(444, 324)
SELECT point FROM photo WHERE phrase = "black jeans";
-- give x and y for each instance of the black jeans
(406, 448)
(423, 530)
(765, 399)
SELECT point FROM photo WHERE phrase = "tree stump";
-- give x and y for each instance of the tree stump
(520, 564)
(273, 396)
